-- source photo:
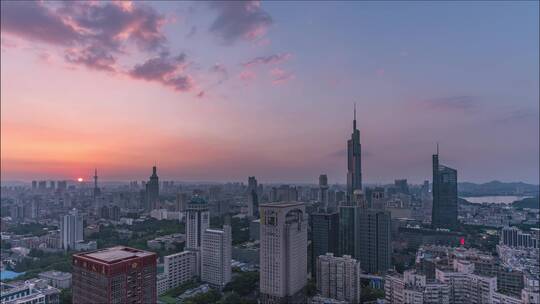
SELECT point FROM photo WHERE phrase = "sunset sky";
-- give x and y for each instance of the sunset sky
(218, 91)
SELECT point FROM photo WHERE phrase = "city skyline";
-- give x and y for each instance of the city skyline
(253, 98)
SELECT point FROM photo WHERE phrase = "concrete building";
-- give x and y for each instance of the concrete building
(414, 288)
(339, 278)
(515, 238)
(466, 287)
(283, 254)
(180, 268)
(216, 256)
(71, 229)
(34, 291)
(57, 279)
(115, 275)
(162, 284)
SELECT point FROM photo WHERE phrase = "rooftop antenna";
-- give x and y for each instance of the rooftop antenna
(354, 121)
(437, 148)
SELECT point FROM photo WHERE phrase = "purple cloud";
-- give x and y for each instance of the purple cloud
(33, 20)
(271, 59)
(112, 24)
(92, 57)
(280, 76)
(165, 70)
(239, 20)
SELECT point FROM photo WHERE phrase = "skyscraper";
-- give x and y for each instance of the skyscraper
(374, 240)
(354, 161)
(444, 210)
(283, 254)
(152, 190)
(349, 226)
(323, 191)
(339, 278)
(71, 229)
(197, 221)
(324, 236)
(115, 275)
(253, 197)
(216, 256)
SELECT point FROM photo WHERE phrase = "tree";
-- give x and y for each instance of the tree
(212, 296)
(244, 283)
(66, 296)
(311, 288)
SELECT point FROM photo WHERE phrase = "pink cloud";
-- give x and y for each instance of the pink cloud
(280, 76)
(247, 75)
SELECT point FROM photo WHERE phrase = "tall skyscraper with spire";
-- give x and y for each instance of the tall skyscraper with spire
(444, 212)
(97, 191)
(152, 190)
(354, 161)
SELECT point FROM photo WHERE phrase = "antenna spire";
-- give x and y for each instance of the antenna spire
(354, 121)
(437, 148)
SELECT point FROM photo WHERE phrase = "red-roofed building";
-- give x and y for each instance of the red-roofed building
(115, 275)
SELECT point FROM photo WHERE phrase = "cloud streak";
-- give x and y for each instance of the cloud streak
(463, 103)
(265, 60)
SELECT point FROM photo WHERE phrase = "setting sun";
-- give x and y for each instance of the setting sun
(80, 179)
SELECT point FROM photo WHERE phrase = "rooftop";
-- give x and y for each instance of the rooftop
(115, 254)
(55, 274)
(282, 204)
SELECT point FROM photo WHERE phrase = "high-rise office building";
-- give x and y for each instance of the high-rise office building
(374, 240)
(283, 254)
(444, 210)
(152, 191)
(349, 228)
(253, 196)
(180, 268)
(34, 185)
(323, 191)
(324, 236)
(354, 161)
(339, 278)
(71, 229)
(197, 221)
(216, 256)
(115, 275)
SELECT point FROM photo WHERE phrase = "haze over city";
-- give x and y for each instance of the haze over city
(214, 92)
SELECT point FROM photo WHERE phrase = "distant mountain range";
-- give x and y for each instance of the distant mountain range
(495, 188)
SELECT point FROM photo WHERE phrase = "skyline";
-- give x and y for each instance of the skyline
(217, 93)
